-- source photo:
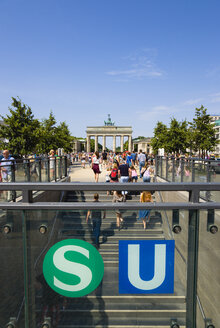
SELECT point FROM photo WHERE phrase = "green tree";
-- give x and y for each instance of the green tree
(159, 139)
(203, 133)
(20, 129)
(125, 146)
(52, 136)
(47, 135)
(177, 137)
(92, 145)
(63, 137)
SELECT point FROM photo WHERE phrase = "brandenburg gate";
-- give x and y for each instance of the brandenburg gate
(109, 129)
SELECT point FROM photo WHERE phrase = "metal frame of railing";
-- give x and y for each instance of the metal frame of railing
(193, 206)
(208, 165)
(36, 165)
(38, 162)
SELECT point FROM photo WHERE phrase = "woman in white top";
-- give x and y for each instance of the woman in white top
(96, 161)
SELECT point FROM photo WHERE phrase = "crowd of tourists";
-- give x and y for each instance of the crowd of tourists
(123, 167)
(28, 166)
(119, 167)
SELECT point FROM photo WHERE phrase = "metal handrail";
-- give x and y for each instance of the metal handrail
(102, 186)
(193, 206)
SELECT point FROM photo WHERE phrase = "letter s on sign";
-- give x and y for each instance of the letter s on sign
(80, 270)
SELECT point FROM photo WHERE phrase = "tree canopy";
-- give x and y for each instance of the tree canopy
(19, 130)
(23, 134)
(198, 135)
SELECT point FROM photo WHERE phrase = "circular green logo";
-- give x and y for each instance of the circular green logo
(73, 267)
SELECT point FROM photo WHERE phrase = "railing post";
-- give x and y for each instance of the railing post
(25, 266)
(173, 169)
(156, 165)
(167, 168)
(193, 170)
(182, 169)
(40, 164)
(48, 169)
(28, 170)
(13, 193)
(55, 168)
(61, 167)
(65, 161)
(208, 173)
(27, 196)
(192, 265)
(208, 178)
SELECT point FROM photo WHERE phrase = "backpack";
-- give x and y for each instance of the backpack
(114, 174)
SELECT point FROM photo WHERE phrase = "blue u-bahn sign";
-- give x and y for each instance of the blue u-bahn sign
(146, 266)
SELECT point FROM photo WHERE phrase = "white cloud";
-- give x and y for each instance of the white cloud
(155, 112)
(193, 101)
(136, 73)
(139, 66)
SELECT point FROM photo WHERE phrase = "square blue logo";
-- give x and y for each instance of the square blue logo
(146, 266)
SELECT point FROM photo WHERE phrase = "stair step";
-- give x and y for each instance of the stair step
(131, 232)
(129, 313)
(121, 317)
(117, 326)
(114, 238)
(134, 298)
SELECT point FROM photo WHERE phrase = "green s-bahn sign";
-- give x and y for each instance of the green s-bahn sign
(73, 268)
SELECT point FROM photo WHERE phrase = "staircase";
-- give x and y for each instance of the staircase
(105, 307)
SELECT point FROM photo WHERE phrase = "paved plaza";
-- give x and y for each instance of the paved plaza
(79, 174)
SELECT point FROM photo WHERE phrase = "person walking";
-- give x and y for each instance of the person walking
(134, 176)
(118, 198)
(114, 173)
(129, 159)
(96, 161)
(141, 160)
(96, 216)
(146, 172)
(83, 161)
(124, 172)
(134, 156)
(7, 167)
(104, 158)
(144, 215)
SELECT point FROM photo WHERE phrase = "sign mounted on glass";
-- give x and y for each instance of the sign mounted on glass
(146, 266)
(73, 268)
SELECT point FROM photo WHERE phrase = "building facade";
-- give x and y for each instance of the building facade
(215, 120)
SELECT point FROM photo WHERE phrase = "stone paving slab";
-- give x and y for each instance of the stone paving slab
(79, 174)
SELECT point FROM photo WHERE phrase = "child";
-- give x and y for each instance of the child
(134, 176)
(145, 197)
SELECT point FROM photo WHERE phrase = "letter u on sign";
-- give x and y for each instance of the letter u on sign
(146, 266)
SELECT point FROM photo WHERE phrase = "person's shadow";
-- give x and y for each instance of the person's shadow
(102, 319)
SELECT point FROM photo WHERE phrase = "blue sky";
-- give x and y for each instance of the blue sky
(139, 60)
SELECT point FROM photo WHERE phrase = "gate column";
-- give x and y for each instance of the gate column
(129, 143)
(103, 142)
(96, 142)
(114, 144)
(88, 144)
(122, 143)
